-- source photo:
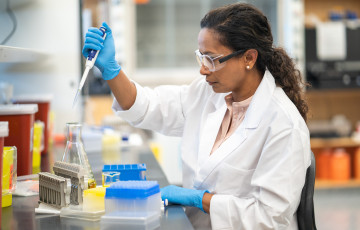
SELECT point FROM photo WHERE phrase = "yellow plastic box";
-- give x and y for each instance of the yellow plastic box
(9, 175)
(93, 199)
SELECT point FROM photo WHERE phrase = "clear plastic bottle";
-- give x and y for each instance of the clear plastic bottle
(75, 152)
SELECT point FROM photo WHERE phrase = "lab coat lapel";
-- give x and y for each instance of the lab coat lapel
(210, 129)
(210, 163)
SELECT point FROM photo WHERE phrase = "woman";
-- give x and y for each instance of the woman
(245, 143)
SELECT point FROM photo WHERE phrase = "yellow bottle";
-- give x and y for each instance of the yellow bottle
(37, 144)
(9, 175)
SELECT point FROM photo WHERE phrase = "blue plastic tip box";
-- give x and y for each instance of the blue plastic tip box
(125, 172)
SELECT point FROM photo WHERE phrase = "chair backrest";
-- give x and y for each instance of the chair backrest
(305, 213)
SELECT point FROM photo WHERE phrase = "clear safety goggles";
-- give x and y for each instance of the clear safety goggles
(214, 63)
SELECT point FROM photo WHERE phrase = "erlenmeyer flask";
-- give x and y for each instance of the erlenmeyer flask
(75, 152)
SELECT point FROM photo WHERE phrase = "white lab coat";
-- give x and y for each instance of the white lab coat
(257, 174)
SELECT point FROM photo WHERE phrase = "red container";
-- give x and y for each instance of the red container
(43, 102)
(4, 132)
(21, 128)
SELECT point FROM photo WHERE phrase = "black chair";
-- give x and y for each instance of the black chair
(305, 213)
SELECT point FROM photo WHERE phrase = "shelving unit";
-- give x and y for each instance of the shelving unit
(321, 8)
(326, 103)
(344, 142)
(318, 144)
(11, 54)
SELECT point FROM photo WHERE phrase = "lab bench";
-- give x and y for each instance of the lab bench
(21, 215)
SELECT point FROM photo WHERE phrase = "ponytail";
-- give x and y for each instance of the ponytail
(282, 67)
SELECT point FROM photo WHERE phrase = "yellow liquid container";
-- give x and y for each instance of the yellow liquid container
(9, 175)
(37, 145)
(111, 148)
(93, 199)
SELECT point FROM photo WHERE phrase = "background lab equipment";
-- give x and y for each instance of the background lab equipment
(331, 74)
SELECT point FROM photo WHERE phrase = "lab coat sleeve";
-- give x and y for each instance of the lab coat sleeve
(137, 111)
(161, 109)
(278, 178)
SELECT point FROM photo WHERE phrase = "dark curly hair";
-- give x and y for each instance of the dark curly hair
(241, 26)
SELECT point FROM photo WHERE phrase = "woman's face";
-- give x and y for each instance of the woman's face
(232, 77)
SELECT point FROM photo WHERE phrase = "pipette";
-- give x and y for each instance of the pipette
(90, 61)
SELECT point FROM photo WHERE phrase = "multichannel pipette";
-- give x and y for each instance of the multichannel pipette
(90, 61)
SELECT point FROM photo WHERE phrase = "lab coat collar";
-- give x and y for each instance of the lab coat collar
(260, 101)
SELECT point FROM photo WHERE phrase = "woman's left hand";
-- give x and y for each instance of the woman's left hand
(183, 196)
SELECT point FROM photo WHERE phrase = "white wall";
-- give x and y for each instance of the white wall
(292, 31)
(52, 27)
(170, 163)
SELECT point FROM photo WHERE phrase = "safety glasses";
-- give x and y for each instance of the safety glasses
(214, 63)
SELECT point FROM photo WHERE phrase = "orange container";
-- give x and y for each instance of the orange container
(4, 132)
(340, 165)
(21, 128)
(357, 164)
(43, 102)
(323, 164)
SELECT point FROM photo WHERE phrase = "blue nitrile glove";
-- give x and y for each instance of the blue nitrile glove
(106, 59)
(183, 196)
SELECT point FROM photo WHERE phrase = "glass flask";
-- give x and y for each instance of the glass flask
(75, 152)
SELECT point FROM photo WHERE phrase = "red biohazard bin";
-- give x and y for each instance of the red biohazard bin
(43, 102)
(4, 132)
(21, 130)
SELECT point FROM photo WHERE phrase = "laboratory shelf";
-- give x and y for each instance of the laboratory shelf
(350, 146)
(329, 184)
(10, 54)
(343, 142)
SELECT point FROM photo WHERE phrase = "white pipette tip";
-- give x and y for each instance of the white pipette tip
(75, 99)
(164, 203)
(82, 81)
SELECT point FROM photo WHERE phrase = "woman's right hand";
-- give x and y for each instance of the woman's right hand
(106, 58)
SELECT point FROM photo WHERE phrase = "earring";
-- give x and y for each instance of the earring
(247, 67)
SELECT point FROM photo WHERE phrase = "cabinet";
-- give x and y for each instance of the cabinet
(324, 104)
(14, 54)
(43, 56)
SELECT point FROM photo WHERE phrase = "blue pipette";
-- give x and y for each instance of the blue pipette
(90, 61)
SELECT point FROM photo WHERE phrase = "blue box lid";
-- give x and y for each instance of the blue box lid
(124, 167)
(132, 189)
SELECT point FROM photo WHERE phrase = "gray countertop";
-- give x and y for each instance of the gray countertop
(21, 215)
